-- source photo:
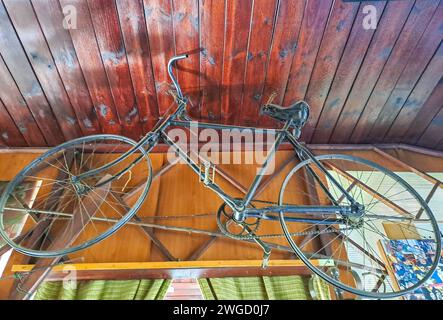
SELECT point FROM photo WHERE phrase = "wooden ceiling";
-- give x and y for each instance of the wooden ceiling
(109, 73)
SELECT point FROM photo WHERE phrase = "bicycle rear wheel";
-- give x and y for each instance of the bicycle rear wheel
(396, 241)
(64, 214)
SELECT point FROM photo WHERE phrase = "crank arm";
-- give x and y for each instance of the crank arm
(264, 246)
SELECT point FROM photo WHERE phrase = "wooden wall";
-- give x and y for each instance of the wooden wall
(109, 73)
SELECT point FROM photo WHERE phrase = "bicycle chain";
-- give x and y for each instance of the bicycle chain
(267, 236)
(249, 236)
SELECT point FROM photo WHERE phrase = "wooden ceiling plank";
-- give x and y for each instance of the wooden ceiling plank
(18, 109)
(419, 59)
(9, 133)
(424, 118)
(311, 34)
(384, 40)
(135, 36)
(113, 52)
(187, 41)
(158, 17)
(413, 106)
(22, 75)
(88, 54)
(212, 15)
(50, 18)
(331, 49)
(350, 62)
(284, 45)
(237, 31)
(432, 135)
(175, 270)
(33, 40)
(413, 30)
(260, 39)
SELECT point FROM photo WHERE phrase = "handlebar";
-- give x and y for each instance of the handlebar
(171, 74)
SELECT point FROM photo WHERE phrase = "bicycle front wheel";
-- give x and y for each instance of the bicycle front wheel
(46, 211)
(390, 249)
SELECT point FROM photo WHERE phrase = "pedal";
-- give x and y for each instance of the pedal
(207, 173)
(266, 256)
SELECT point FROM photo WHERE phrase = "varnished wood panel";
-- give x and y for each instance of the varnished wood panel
(108, 75)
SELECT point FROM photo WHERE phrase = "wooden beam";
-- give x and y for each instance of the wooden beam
(162, 148)
(409, 167)
(202, 249)
(428, 199)
(148, 230)
(163, 170)
(174, 269)
(264, 184)
(231, 180)
(5, 248)
(369, 190)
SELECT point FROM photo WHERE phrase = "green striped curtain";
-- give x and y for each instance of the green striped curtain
(103, 290)
(263, 288)
(13, 222)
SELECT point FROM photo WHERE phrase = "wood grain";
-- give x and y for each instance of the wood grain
(413, 30)
(88, 54)
(311, 33)
(17, 108)
(133, 25)
(32, 38)
(284, 45)
(159, 21)
(23, 75)
(350, 63)
(112, 48)
(260, 37)
(384, 40)
(108, 73)
(328, 57)
(419, 59)
(236, 47)
(50, 16)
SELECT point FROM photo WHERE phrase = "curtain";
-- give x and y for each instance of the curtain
(264, 288)
(13, 222)
(103, 290)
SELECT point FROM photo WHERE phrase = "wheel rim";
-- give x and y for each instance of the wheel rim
(66, 215)
(368, 177)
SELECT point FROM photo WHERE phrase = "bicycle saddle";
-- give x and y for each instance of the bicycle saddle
(297, 112)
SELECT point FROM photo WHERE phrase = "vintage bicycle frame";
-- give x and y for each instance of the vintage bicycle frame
(178, 118)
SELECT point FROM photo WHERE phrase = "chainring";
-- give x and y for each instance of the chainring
(244, 229)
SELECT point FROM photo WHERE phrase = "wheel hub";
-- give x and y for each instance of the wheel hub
(79, 187)
(356, 215)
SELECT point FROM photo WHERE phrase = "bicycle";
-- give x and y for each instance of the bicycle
(326, 206)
